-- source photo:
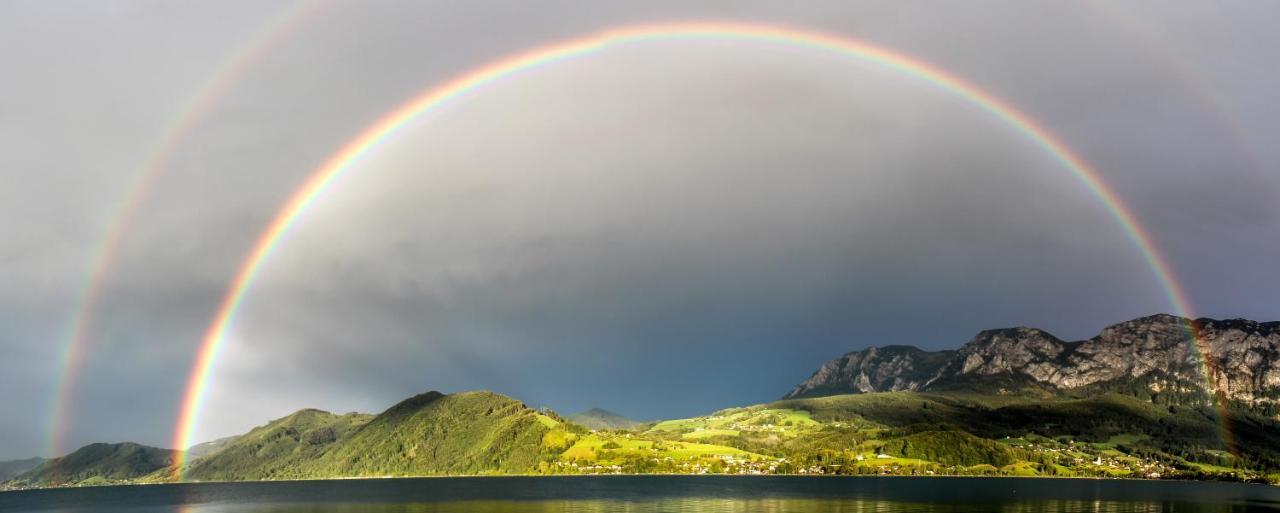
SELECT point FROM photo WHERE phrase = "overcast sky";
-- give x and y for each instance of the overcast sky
(662, 229)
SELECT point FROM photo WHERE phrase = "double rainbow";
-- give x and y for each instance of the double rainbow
(387, 126)
(74, 343)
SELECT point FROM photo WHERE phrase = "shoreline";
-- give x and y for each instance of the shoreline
(712, 476)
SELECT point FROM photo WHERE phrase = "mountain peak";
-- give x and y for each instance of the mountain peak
(874, 369)
(415, 402)
(1149, 355)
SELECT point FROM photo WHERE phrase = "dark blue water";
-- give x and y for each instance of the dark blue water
(642, 494)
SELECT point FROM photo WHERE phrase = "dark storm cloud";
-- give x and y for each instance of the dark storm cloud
(663, 230)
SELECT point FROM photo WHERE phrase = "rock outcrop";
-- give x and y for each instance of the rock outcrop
(1235, 361)
(875, 369)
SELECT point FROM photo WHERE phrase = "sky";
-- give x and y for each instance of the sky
(662, 229)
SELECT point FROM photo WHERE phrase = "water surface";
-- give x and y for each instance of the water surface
(643, 494)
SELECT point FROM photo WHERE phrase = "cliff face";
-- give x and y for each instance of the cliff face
(1150, 355)
(875, 369)
(1245, 363)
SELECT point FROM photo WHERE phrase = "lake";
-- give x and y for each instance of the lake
(640, 494)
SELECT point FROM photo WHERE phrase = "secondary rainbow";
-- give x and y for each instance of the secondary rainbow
(73, 345)
(387, 126)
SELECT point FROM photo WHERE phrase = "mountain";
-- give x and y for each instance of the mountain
(875, 369)
(956, 432)
(201, 450)
(431, 433)
(100, 463)
(1149, 357)
(11, 468)
(277, 449)
(600, 418)
(1137, 400)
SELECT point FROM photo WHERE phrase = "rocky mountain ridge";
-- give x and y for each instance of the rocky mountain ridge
(1234, 360)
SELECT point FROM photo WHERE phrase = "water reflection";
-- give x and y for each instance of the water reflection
(693, 504)
(645, 494)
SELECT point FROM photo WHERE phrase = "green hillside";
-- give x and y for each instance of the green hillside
(467, 433)
(100, 463)
(952, 448)
(432, 433)
(1187, 441)
(278, 449)
(897, 433)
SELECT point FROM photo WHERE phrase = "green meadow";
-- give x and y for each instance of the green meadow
(898, 433)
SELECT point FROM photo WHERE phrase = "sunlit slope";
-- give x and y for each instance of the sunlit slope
(1188, 436)
(907, 432)
(968, 433)
(279, 449)
(460, 434)
(432, 433)
(900, 433)
(830, 435)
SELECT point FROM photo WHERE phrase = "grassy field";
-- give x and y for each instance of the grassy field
(1022, 435)
(736, 421)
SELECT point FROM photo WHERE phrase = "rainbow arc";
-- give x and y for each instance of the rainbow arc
(75, 341)
(386, 127)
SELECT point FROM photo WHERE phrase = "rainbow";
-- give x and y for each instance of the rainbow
(390, 124)
(73, 344)
(1155, 44)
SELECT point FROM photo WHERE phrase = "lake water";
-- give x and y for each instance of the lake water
(641, 494)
